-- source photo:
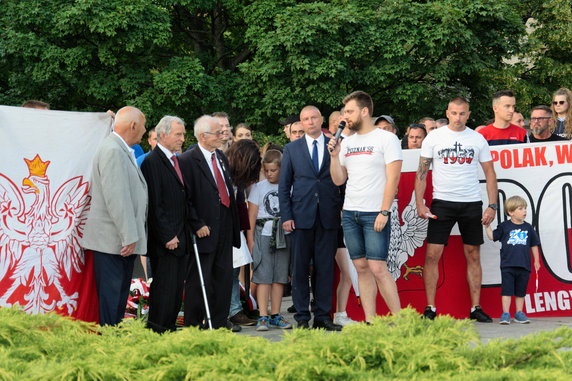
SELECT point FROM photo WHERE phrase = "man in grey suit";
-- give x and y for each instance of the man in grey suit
(115, 228)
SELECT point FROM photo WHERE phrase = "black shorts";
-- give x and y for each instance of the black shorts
(514, 281)
(467, 214)
(341, 244)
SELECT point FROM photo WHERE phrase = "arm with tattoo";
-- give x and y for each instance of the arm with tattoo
(421, 185)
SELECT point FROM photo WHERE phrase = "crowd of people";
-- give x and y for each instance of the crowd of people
(299, 209)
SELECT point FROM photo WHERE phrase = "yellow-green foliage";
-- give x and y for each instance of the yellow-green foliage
(404, 347)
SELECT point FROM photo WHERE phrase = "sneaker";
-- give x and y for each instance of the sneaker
(280, 322)
(479, 315)
(342, 319)
(429, 313)
(505, 318)
(262, 323)
(240, 318)
(521, 318)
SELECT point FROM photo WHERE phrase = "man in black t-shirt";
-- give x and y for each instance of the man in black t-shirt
(542, 125)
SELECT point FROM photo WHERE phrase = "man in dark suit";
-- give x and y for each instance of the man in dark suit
(214, 220)
(310, 205)
(167, 246)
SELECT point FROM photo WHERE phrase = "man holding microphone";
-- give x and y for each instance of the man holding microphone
(370, 161)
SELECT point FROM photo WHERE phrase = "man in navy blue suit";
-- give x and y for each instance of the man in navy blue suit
(310, 205)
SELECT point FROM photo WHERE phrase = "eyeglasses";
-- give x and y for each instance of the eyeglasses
(558, 103)
(540, 118)
(218, 133)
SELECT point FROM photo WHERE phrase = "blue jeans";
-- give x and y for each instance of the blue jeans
(235, 304)
(362, 240)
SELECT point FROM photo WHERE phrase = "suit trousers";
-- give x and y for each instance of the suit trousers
(112, 279)
(217, 273)
(166, 292)
(320, 245)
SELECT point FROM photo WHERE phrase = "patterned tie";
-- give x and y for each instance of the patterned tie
(220, 184)
(177, 168)
(315, 156)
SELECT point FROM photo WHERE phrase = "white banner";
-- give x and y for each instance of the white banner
(44, 179)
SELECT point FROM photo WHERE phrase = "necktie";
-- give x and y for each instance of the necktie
(315, 156)
(220, 184)
(177, 168)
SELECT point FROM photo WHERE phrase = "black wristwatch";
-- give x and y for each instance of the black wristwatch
(494, 207)
(384, 213)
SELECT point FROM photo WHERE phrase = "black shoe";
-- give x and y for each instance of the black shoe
(303, 324)
(233, 327)
(240, 318)
(328, 325)
(291, 309)
(429, 313)
(479, 315)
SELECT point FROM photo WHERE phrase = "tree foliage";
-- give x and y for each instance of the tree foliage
(262, 59)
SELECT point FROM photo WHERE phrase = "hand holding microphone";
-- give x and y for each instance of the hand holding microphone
(334, 141)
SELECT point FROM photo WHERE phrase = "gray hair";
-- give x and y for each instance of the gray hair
(166, 124)
(203, 124)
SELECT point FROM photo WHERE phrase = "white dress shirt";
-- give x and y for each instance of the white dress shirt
(310, 144)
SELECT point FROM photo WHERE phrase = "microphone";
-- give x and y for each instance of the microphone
(341, 127)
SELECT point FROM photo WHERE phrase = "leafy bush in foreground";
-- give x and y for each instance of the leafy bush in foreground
(402, 347)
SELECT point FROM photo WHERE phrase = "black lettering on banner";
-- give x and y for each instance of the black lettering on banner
(555, 264)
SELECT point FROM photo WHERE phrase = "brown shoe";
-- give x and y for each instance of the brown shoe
(240, 318)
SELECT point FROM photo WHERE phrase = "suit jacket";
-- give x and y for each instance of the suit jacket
(204, 199)
(118, 211)
(167, 205)
(301, 189)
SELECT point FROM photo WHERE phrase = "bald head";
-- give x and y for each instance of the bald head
(130, 124)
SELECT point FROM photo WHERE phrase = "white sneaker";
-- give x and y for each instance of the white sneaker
(342, 319)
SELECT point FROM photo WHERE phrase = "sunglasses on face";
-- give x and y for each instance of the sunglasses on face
(558, 103)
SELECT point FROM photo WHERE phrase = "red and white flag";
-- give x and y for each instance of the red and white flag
(44, 183)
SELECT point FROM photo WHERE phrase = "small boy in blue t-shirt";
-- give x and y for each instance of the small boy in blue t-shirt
(518, 238)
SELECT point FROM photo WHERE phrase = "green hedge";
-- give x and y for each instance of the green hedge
(402, 347)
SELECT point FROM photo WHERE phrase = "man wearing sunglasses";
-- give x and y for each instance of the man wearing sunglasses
(541, 125)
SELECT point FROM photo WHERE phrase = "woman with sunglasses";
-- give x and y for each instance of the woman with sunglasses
(562, 112)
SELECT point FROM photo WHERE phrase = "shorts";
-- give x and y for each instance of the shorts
(514, 281)
(361, 240)
(467, 214)
(269, 266)
(341, 244)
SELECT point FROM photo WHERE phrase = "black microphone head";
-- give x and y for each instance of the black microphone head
(341, 127)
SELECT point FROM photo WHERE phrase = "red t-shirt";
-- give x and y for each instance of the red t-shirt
(497, 136)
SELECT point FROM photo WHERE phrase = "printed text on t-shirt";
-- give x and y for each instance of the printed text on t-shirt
(457, 154)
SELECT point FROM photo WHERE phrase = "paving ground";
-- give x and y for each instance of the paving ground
(487, 331)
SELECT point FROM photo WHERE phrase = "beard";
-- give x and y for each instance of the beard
(356, 126)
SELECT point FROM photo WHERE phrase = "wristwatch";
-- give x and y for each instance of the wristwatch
(384, 213)
(494, 207)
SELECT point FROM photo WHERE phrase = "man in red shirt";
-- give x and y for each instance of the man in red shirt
(502, 131)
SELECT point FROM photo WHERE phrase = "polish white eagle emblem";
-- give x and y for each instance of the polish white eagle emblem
(405, 239)
(39, 243)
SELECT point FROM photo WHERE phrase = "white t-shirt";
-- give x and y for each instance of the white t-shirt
(456, 157)
(265, 196)
(365, 157)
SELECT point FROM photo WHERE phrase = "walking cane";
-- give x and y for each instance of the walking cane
(203, 287)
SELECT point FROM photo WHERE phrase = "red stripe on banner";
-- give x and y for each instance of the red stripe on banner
(87, 308)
